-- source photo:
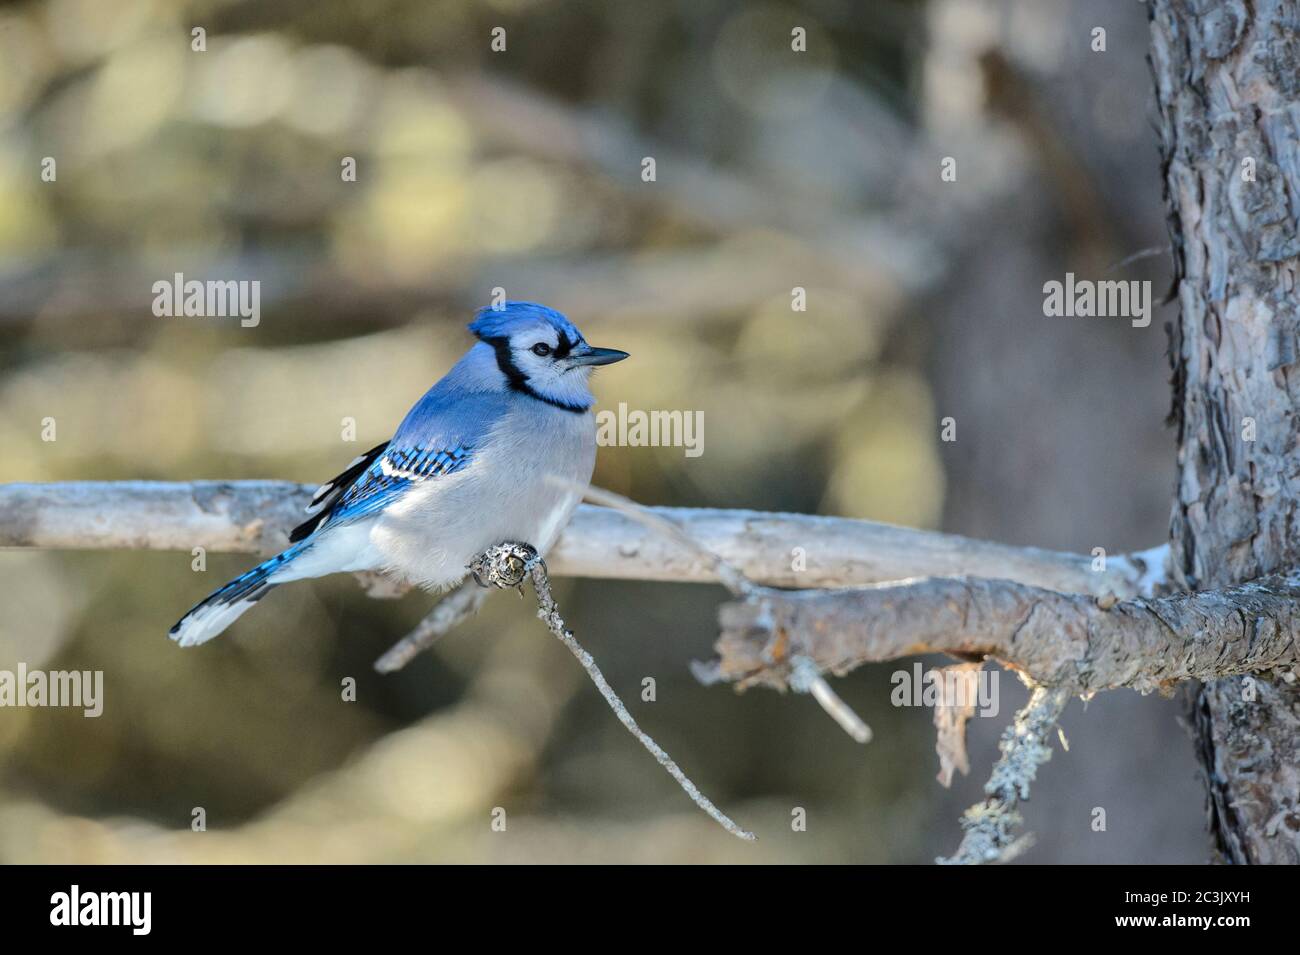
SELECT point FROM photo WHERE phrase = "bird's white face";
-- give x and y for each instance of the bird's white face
(541, 355)
(553, 364)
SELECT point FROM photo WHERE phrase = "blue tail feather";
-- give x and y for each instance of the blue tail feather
(216, 612)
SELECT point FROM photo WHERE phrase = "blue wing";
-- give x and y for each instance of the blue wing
(395, 472)
(438, 437)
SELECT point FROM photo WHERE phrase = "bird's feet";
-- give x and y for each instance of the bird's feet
(505, 565)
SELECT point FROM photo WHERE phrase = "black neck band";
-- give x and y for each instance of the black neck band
(519, 382)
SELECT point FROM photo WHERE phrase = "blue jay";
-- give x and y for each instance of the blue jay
(499, 450)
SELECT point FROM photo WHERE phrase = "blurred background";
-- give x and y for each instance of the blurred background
(522, 169)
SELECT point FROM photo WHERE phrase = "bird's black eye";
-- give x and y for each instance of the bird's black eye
(541, 349)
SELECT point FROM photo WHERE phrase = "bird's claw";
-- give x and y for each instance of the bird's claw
(504, 566)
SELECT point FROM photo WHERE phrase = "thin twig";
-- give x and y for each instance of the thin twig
(990, 825)
(806, 678)
(461, 603)
(1139, 255)
(506, 566)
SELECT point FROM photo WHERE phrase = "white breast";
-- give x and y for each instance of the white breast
(522, 484)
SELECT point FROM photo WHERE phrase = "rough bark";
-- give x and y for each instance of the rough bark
(1227, 79)
(1068, 641)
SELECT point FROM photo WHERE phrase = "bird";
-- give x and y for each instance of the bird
(499, 450)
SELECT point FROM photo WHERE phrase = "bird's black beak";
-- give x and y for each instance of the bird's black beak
(586, 355)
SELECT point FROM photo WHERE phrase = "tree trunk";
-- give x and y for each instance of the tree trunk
(1227, 79)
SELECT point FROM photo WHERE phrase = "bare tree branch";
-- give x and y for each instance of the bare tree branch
(1060, 640)
(1064, 643)
(255, 517)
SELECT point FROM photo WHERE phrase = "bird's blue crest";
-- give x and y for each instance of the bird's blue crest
(512, 317)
